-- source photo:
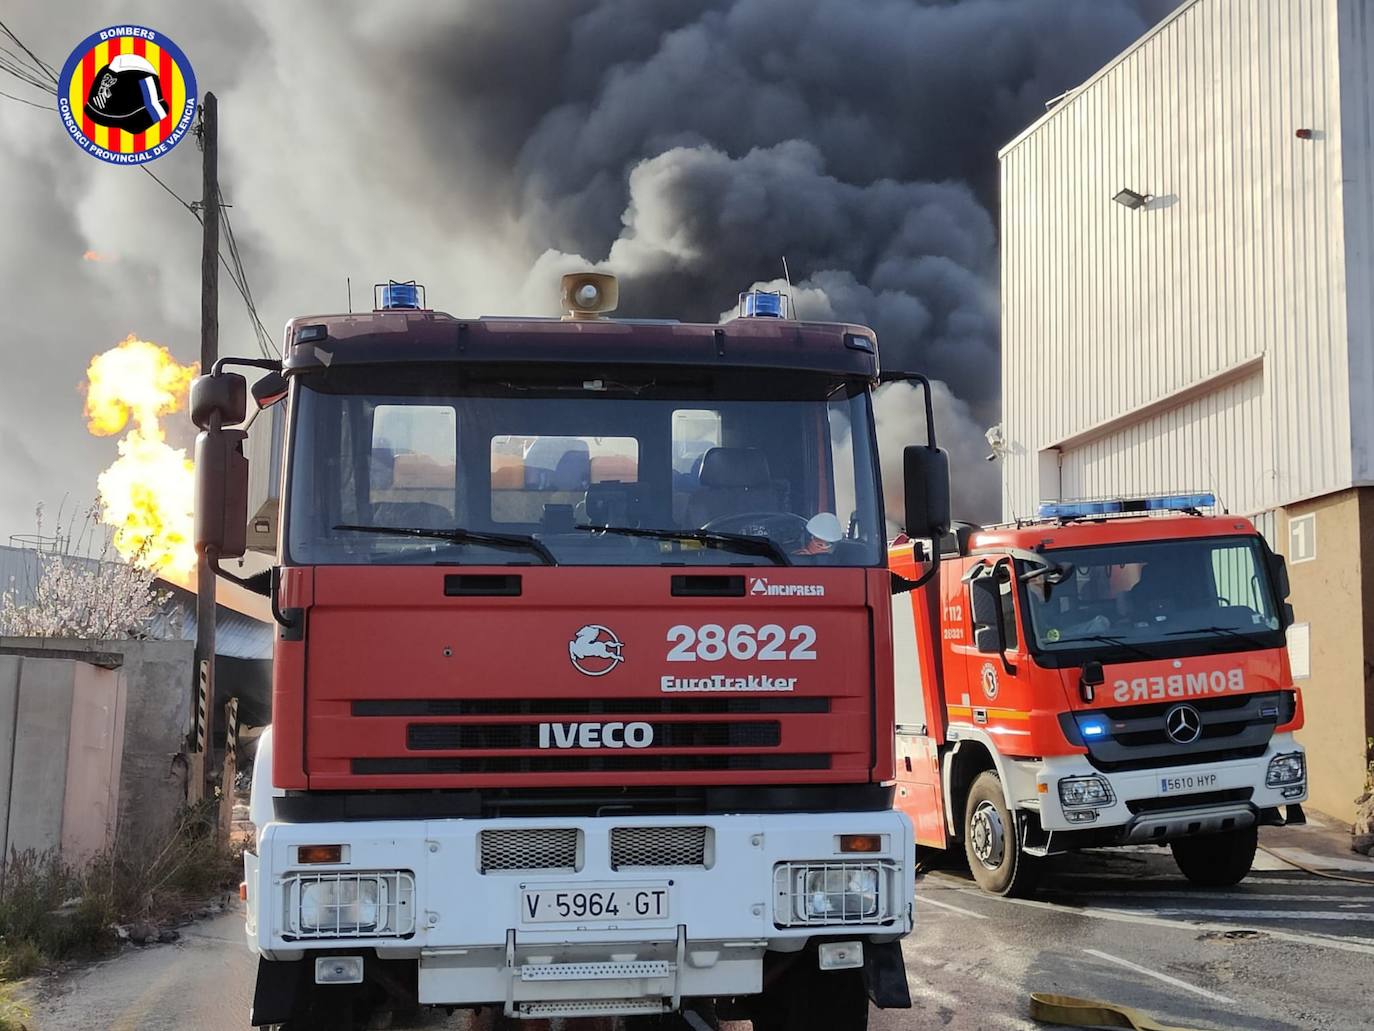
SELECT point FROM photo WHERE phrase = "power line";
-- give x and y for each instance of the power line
(241, 281)
(43, 66)
(25, 75)
(21, 100)
(175, 196)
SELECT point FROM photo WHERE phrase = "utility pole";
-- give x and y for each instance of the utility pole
(209, 352)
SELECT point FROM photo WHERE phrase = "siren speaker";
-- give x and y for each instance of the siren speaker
(587, 295)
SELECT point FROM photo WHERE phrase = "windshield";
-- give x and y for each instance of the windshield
(1155, 598)
(658, 467)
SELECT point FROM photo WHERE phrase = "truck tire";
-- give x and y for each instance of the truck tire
(337, 1011)
(1217, 860)
(992, 841)
(807, 999)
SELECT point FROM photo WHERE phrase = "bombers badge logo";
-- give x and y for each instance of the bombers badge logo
(595, 650)
(989, 678)
(127, 95)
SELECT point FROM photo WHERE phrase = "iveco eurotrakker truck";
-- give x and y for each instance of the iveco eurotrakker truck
(583, 698)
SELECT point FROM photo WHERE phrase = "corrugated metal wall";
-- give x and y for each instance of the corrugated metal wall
(1176, 450)
(1356, 35)
(1236, 264)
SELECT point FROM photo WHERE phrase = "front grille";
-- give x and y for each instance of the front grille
(549, 848)
(599, 763)
(1233, 727)
(1194, 801)
(658, 846)
(587, 706)
(444, 736)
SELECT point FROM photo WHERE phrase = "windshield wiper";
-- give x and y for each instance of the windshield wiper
(518, 541)
(1105, 639)
(1238, 634)
(738, 541)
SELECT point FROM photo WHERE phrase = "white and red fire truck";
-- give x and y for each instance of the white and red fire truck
(1111, 673)
(583, 682)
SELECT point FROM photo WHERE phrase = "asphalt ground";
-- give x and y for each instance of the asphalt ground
(1284, 950)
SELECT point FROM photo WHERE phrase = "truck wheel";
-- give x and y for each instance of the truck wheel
(807, 999)
(339, 1011)
(1217, 860)
(992, 841)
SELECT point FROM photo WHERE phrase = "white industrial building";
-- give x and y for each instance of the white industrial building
(1188, 304)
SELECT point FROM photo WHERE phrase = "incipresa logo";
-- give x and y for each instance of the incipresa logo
(759, 587)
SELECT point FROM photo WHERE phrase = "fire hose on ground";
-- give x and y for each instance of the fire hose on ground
(1068, 1011)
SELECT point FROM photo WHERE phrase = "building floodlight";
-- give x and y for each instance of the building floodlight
(1131, 199)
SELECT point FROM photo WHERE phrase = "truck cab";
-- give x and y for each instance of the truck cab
(1112, 673)
(582, 687)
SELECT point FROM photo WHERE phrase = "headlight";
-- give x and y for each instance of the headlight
(334, 905)
(831, 893)
(1289, 768)
(348, 904)
(1085, 793)
(841, 893)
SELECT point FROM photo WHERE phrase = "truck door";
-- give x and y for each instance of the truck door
(997, 666)
(920, 712)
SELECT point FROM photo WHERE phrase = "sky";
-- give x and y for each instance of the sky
(484, 148)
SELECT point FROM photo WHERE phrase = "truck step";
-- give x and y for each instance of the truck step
(596, 971)
(589, 1008)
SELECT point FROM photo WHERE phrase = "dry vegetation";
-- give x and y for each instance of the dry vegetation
(52, 911)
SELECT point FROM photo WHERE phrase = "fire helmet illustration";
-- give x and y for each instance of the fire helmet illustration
(126, 94)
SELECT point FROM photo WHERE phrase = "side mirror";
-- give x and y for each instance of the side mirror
(221, 514)
(269, 390)
(1090, 677)
(1278, 571)
(225, 395)
(986, 603)
(925, 476)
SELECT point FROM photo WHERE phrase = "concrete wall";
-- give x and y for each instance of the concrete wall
(1329, 592)
(92, 738)
(60, 722)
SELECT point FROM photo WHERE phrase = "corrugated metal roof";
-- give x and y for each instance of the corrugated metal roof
(236, 635)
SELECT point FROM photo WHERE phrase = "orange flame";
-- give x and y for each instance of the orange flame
(146, 495)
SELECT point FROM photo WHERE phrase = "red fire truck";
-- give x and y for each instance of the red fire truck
(1111, 673)
(582, 687)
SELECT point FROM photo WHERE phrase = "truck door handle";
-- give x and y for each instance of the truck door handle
(485, 585)
(705, 585)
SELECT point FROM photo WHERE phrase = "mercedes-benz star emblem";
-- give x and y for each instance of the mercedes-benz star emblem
(1183, 723)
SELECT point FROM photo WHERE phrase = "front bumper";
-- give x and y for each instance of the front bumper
(1164, 803)
(470, 931)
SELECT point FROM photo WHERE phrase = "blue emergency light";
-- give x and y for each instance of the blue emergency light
(393, 295)
(1125, 506)
(1092, 728)
(762, 304)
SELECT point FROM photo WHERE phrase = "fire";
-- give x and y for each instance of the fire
(146, 495)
